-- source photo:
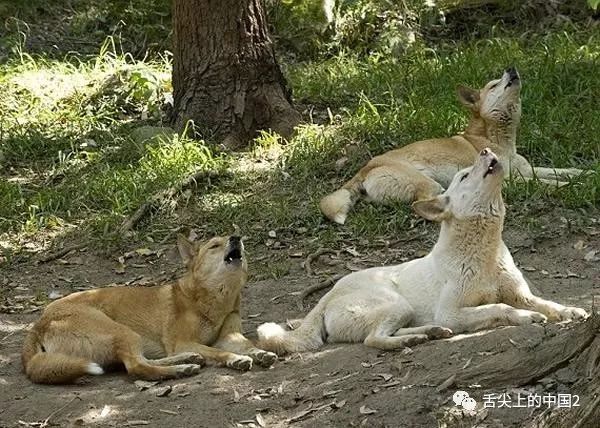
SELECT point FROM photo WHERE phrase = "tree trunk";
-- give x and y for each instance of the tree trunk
(578, 348)
(225, 75)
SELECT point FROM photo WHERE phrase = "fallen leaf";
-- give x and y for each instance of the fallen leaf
(447, 383)
(352, 252)
(467, 363)
(329, 394)
(385, 376)
(144, 251)
(260, 420)
(236, 396)
(590, 256)
(272, 234)
(364, 410)
(579, 245)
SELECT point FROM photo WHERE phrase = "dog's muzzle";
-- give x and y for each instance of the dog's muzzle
(493, 165)
(513, 76)
(234, 250)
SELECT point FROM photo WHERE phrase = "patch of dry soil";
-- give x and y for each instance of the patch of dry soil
(341, 385)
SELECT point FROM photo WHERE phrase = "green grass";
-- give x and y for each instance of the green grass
(68, 162)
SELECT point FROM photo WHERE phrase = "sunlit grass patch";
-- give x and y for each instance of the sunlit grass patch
(69, 158)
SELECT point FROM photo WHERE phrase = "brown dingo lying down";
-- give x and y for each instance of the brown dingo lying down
(467, 282)
(178, 325)
(424, 169)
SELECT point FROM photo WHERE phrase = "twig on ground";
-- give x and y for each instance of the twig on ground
(157, 198)
(46, 422)
(308, 411)
(62, 252)
(314, 256)
(317, 287)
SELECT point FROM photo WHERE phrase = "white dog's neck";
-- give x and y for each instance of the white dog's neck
(471, 245)
(502, 135)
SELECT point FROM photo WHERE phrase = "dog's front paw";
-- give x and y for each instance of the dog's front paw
(571, 313)
(184, 370)
(438, 332)
(240, 362)
(263, 358)
(525, 317)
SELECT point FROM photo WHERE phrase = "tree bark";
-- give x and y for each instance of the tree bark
(225, 75)
(578, 348)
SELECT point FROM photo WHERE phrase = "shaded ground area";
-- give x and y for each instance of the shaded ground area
(342, 385)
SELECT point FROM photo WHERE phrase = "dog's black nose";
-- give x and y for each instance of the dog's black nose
(512, 72)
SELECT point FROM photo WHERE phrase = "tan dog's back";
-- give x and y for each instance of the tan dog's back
(423, 169)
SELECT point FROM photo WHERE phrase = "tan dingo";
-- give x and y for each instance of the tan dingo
(155, 332)
(424, 169)
(467, 282)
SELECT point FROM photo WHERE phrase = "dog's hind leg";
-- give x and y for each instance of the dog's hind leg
(129, 351)
(372, 319)
(387, 320)
(432, 331)
(399, 182)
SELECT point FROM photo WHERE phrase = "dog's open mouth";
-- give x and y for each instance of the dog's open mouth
(491, 168)
(233, 255)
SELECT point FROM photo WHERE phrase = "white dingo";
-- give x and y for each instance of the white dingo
(467, 282)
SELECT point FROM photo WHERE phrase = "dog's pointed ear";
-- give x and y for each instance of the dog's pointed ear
(187, 249)
(434, 209)
(467, 96)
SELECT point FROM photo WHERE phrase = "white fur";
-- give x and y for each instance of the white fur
(467, 282)
(94, 369)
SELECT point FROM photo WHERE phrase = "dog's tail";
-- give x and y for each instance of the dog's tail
(52, 367)
(307, 337)
(336, 205)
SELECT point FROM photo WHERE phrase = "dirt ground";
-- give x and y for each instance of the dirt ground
(341, 385)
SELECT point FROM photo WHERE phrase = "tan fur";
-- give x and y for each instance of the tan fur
(156, 332)
(425, 168)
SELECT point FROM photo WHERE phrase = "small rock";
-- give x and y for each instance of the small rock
(272, 234)
(163, 391)
(143, 384)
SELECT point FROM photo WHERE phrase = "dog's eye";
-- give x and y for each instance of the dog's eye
(464, 176)
(214, 246)
(493, 86)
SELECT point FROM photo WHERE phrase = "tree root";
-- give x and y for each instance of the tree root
(314, 256)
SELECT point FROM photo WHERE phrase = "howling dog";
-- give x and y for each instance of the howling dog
(424, 169)
(159, 332)
(467, 282)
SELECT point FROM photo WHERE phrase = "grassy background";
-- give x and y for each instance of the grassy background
(71, 164)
